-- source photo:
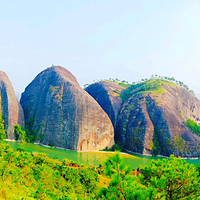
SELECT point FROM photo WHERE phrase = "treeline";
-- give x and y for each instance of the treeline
(19, 132)
(126, 84)
(123, 83)
(173, 80)
(193, 126)
(35, 176)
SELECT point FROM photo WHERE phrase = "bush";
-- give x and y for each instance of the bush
(2, 127)
(34, 175)
(172, 178)
(192, 126)
(19, 133)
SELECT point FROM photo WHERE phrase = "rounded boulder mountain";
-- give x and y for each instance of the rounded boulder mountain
(107, 94)
(153, 119)
(59, 112)
(10, 107)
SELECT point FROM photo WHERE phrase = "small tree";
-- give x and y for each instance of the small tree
(2, 128)
(123, 185)
(172, 178)
(180, 146)
(19, 133)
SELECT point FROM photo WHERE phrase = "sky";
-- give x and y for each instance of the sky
(101, 39)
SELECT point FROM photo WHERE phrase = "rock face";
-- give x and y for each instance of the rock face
(107, 94)
(10, 107)
(154, 114)
(59, 112)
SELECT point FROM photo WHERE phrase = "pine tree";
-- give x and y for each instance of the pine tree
(19, 133)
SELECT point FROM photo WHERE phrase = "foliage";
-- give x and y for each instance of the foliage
(154, 83)
(26, 175)
(122, 83)
(31, 133)
(151, 85)
(36, 176)
(173, 80)
(172, 179)
(115, 147)
(156, 144)
(128, 92)
(2, 128)
(123, 184)
(20, 133)
(162, 179)
(180, 146)
(193, 126)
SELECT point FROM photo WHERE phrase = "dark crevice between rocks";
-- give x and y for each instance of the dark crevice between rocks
(162, 140)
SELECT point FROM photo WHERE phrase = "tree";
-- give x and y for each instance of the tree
(123, 184)
(172, 178)
(180, 146)
(19, 133)
(2, 128)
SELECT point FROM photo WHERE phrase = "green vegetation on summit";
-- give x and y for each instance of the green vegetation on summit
(193, 126)
(154, 116)
(149, 86)
(151, 117)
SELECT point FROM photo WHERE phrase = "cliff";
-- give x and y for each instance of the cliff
(10, 107)
(107, 94)
(152, 119)
(149, 117)
(59, 112)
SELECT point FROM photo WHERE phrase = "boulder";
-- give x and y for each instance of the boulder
(10, 107)
(107, 94)
(154, 115)
(59, 112)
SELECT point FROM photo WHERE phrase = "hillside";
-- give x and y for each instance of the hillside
(35, 176)
(59, 112)
(107, 94)
(10, 108)
(152, 119)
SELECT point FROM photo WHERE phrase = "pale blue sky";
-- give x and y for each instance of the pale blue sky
(125, 39)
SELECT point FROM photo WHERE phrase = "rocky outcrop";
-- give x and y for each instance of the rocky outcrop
(59, 112)
(154, 114)
(107, 94)
(10, 107)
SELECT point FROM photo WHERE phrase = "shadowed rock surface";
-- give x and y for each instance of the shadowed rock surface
(154, 113)
(107, 94)
(10, 107)
(59, 112)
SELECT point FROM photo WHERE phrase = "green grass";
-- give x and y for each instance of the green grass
(193, 126)
(150, 86)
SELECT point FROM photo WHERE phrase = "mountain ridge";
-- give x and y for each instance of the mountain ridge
(10, 107)
(153, 113)
(60, 113)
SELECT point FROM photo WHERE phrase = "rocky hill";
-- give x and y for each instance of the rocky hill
(10, 107)
(59, 112)
(107, 94)
(152, 118)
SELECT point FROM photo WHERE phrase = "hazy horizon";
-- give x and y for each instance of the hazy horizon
(128, 40)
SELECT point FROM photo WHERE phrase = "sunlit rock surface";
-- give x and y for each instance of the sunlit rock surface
(10, 107)
(59, 112)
